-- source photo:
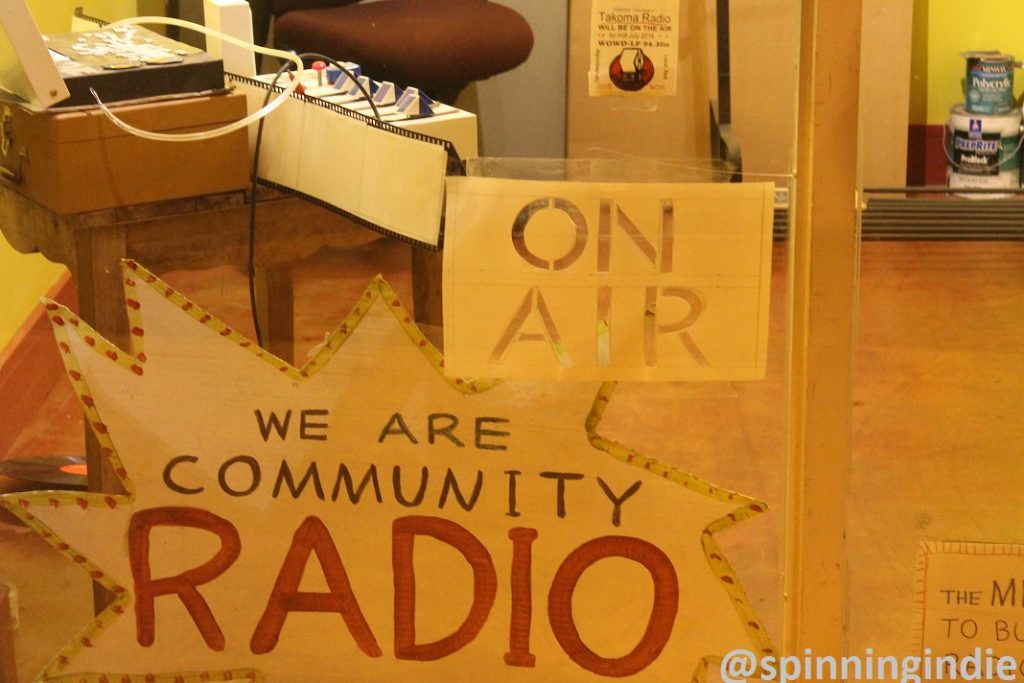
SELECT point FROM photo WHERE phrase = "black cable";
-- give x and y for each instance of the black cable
(255, 168)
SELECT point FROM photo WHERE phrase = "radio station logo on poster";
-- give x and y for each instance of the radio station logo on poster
(634, 48)
(631, 69)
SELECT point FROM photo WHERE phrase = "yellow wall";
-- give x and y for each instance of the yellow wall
(54, 16)
(23, 279)
(919, 64)
(956, 26)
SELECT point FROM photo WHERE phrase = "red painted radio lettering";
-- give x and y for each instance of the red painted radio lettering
(314, 538)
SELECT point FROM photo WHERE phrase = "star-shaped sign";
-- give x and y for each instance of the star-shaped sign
(365, 517)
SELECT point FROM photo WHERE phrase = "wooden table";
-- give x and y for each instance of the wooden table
(179, 234)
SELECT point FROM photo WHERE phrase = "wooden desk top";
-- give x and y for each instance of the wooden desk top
(195, 232)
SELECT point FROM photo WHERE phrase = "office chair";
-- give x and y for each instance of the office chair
(438, 46)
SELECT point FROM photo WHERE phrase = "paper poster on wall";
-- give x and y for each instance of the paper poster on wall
(607, 281)
(366, 518)
(634, 47)
(969, 608)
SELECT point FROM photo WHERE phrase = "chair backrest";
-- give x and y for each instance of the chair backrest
(439, 46)
(282, 6)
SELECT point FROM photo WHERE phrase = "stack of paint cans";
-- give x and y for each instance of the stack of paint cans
(983, 136)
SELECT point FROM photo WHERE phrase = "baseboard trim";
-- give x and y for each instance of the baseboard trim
(30, 365)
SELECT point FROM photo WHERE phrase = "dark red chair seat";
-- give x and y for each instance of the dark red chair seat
(439, 46)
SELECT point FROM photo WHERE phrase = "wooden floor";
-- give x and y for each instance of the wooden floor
(938, 418)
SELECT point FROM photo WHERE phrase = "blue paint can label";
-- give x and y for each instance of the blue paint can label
(981, 154)
(989, 85)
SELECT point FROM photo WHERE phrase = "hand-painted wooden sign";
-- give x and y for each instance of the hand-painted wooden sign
(969, 608)
(597, 281)
(366, 518)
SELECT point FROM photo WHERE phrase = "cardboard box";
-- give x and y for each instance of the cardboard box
(79, 161)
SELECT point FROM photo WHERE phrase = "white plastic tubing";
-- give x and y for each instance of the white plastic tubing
(214, 132)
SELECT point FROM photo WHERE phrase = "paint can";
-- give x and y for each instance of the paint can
(983, 151)
(989, 85)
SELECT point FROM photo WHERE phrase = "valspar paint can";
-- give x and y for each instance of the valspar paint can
(989, 85)
(983, 150)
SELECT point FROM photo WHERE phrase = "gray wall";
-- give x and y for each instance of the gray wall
(522, 112)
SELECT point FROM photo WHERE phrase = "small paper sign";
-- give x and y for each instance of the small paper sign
(970, 603)
(634, 47)
(617, 281)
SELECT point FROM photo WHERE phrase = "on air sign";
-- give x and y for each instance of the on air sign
(578, 280)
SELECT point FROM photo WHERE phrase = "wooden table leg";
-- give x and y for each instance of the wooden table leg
(8, 669)
(97, 273)
(275, 310)
(426, 286)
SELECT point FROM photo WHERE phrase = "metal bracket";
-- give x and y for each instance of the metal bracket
(5, 131)
(6, 143)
